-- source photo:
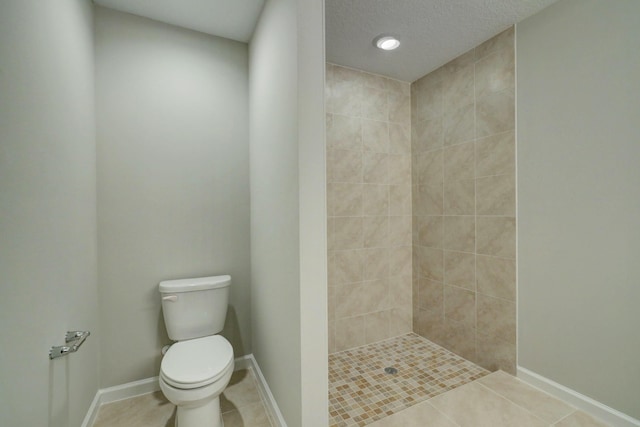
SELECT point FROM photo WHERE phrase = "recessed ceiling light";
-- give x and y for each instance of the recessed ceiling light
(386, 42)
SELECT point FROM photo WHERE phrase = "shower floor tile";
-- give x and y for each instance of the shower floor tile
(361, 392)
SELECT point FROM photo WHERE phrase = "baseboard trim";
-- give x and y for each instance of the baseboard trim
(149, 385)
(599, 410)
(249, 361)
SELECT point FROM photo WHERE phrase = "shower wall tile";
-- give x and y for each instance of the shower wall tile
(463, 148)
(369, 202)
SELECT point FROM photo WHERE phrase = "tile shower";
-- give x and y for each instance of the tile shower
(421, 206)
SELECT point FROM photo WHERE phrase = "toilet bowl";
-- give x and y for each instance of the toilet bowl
(193, 374)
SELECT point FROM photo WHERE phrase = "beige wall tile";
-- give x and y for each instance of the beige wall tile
(495, 155)
(458, 125)
(349, 300)
(345, 98)
(375, 200)
(495, 72)
(399, 169)
(495, 113)
(374, 104)
(459, 269)
(496, 195)
(400, 199)
(400, 261)
(375, 136)
(400, 321)
(399, 231)
(376, 263)
(431, 263)
(460, 338)
(495, 353)
(346, 166)
(375, 168)
(375, 296)
(428, 95)
(347, 266)
(460, 197)
(459, 162)
(430, 295)
(430, 324)
(344, 132)
(427, 135)
(430, 167)
(459, 233)
(349, 332)
(401, 291)
(375, 231)
(392, 85)
(376, 326)
(497, 236)
(347, 233)
(497, 318)
(399, 138)
(346, 198)
(504, 40)
(496, 277)
(431, 231)
(373, 80)
(399, 108)
(461, 62)
(460, 306)
(430, 199)
(457, 89)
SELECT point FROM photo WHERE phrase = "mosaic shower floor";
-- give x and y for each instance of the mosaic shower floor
(361, 392)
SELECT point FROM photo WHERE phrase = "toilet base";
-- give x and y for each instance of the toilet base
(206, 415)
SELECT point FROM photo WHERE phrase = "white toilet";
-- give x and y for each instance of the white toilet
(197, 368)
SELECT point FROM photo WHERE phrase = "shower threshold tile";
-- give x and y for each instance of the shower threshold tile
(361, 392)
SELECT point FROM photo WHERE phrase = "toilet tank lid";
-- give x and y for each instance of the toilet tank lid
(196, 284)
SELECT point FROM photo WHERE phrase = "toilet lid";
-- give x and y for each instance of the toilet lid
(197, 362)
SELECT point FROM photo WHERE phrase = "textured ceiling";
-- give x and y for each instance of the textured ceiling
(432, 32)
(231, 19)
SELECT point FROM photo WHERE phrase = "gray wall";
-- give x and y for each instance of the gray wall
(47, 211)
(173, 181)
(275, 259)
(579, 198)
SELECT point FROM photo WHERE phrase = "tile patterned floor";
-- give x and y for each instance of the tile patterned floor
(241, 405)
(360, 392)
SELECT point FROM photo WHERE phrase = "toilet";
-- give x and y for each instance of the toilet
(197, 368)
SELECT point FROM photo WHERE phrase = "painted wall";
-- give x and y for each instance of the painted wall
(275, 234)
(288, 209)
(463, 144)
(47, 214)
(173, 181)
(369, 207)
(578, 198)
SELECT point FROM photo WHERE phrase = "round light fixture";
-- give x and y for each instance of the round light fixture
(386, 42)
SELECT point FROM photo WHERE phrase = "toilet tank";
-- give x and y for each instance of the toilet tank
(194, 308)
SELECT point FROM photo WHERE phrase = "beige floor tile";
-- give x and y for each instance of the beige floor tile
(474, 405)
(253, 415)
(148, 410)
(241, 391)
(580, 419)
(420, 415)
(536, 401)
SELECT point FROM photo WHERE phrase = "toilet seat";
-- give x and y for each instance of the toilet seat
(196, 363)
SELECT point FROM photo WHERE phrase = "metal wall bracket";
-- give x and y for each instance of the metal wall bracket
(73, 340)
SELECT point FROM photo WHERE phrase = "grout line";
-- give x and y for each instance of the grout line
(511, 401)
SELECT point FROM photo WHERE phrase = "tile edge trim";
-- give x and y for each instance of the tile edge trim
(591, 406)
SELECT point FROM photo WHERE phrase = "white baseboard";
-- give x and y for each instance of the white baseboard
(149, 385)
(599, 410)
(275, 415)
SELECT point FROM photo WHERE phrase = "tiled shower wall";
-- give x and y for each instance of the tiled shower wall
(369, 207)
(464, 204)
(457, 164)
